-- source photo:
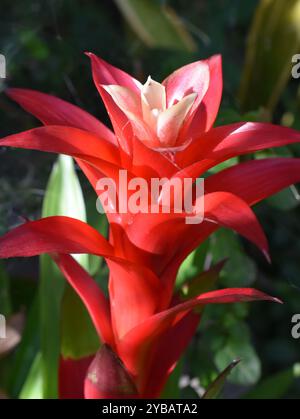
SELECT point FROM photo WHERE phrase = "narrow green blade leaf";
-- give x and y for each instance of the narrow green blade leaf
(155, 25)
(33, 387)
(273, 40)
(216, 387)
(25, 353)
(63, 197)
(78, 337)
(5, 302)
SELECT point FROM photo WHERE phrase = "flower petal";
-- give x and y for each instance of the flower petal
(106, 74)
(154, 95)
(130, 104)
(205, 79)
(205, 115)
(170, 121)
(192, 78)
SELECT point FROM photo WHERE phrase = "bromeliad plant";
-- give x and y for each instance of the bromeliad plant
(162, 131)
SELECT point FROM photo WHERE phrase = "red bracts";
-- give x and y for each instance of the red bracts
(160, 130)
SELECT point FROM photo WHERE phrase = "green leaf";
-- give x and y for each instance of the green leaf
(100, 223)
(193, 265)
(33, 387)
(200, 358)
(285, 200)
(25, 353)
(78, 338)
(155, 25)
(5, 301)
(172, 390)
(203, 282)
(273, 40)
(276, 386)
(249, 370)
(240, 270)
(216, 387)
(63, 197)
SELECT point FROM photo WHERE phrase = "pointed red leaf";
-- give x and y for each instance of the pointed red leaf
(106, 74)
(53, 235)
(90, 294)
(168, 233)
(192, 78)
(223, 143)
(136, 345)
(256, 180)
(161, 360)
(230, 211)
(204, 117)
(51, 110)
(65, 140)
(137, 284)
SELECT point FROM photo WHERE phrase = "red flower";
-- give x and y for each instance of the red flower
(161, 130)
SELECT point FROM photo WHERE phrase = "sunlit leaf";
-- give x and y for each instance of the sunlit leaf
(216, 387)
(249, 369)
(239, 270)
(155, 25)
(78, 334)
(33, 387)
(25, 353)
(273, 40)
(63, 197)
(193, 265)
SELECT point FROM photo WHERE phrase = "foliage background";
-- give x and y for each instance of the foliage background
(44, 42)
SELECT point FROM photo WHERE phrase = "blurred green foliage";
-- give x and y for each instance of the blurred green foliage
(43, 42)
